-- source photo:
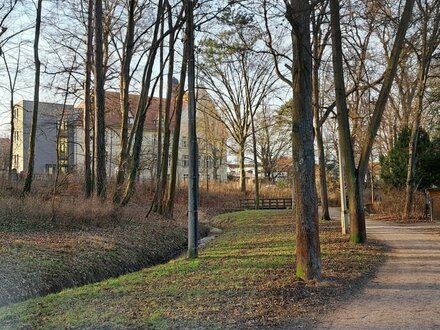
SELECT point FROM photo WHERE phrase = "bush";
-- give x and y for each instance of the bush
(392, 205)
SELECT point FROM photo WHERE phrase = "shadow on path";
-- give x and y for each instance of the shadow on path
(405, 294)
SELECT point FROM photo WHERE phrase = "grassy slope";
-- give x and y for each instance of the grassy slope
(36, 259)
(244, 278)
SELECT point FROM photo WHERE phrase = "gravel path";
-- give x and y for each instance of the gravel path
(405, 294)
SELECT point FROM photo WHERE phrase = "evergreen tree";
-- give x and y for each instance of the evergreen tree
(394, 165)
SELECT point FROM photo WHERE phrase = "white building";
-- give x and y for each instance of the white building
(55, 122)
(211, 133)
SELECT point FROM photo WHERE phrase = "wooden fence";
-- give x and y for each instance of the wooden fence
(267, 203)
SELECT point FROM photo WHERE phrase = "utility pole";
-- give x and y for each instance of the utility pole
(193, 175)
(344, 212)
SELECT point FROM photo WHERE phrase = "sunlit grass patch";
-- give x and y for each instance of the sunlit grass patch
(244, 278)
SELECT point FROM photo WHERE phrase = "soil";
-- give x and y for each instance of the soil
(404, 293)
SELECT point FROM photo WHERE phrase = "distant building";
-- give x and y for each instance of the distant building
(283, 169)
(249, 169)
(212, 157)
(52, 119)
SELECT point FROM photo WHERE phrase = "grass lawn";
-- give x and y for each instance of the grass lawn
(242, 279)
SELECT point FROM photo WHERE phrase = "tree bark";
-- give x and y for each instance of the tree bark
(308, 259)
(176, 136)
(124, 87)
(257, 181)
(358, 232)
(193, 175)
(88, 188)
(162, 193)
(101, 175)
(322, 175)
(31, 153)
(318, 48)
(11, 136)
(242, 169)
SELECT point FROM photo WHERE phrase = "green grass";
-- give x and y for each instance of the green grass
(242, 279)
(34, 263)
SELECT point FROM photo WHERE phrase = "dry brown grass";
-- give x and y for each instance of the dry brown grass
(392, 206)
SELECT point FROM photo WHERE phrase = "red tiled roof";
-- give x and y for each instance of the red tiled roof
(113, 110)
(284, 164)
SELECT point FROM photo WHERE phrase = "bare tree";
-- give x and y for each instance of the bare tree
(125, 78)
(272, 144)
(12, 82)
(6, 8)
(238, 76)
(30, 166)
(162, 177)
(101, 176)
(88, 187)
(319, 43)
(136, 135)
(429, 12)
(297, 13)
(169, 205)
(356, 175)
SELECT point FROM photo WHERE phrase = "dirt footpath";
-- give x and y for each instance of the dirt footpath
(405, 294)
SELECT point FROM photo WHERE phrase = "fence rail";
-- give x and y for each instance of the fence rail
(267, 203)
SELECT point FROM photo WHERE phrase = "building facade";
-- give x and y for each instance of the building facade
(55, 134)
(65, 125)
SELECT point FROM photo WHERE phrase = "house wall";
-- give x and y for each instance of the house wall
(49, 115)
(18, 143)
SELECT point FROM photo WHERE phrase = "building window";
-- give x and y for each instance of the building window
(185, 160)
(16, 135)
(63, 166)
(185, 177)
(50, 169)
(16, 161)
(62, 145)
(208, 162)
(184, 142)
(63, 125)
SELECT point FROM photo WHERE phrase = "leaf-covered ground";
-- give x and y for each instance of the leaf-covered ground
(37, 258)
(242, 279)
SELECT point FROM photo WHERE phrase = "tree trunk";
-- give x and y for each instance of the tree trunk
(257, 181)
(144, 102)
(88, 103)
(193, 175)
(412, 156)
(101, 176)
(160, 126)
(241, 169)
(160, 114)
(317, 56)
(176, 136)
(356, 176)
(322, 175)
(358, 232)
(162, 193)
(308, 259)
(31, 153)
(11, 136)
(124, 87)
